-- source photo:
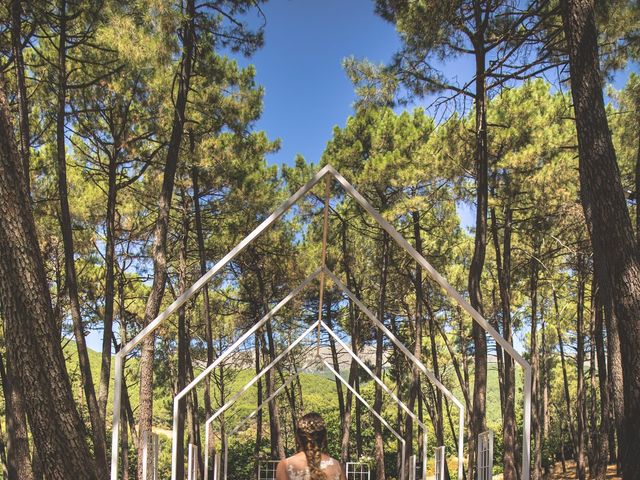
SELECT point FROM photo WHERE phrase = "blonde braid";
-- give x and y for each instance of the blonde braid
(312, 434)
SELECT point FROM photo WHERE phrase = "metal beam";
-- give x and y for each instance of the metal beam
(453, 293)
(341, 286)
(328, 169)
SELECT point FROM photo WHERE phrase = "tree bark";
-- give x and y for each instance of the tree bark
(152, 308)
(23, 101)
(478, 414)
(580, 393)
(353, 368)
(32, 337)
(536, 430)
(603, 376)
(503, 261)
(183, 346)
(377, 404)
(334, 359)
(605, 208)
(71, 278)
(109, 286)
(614, 372)
(17, 454)
(259, 397)
(414, 386)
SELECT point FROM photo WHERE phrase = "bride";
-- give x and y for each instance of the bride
(312, 461)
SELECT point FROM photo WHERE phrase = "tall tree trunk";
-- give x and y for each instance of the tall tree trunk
(3, 456)
(614, 372)
(439, 427)
(536, 429)
(183, 345)
(565, 378)
(193, 409)
(203, 269)
(354, 331)
(544, 379)
(334, 358)
(605, 208)
(109, 287)
(603, 377)
(503, 261)
(97, 425)
(259, 397)
(599, 426)
(580, 393)
(275, 429)
(32, 336)
(17, 454)
(206, 309)
(377, 404)
(269, 347)
(399, 375)
(152, 308)
(128, 422)
(478, 415)
(23, 101)
(414, 386)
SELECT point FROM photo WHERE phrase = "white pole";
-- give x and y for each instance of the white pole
(115, 423)
(156, 451)
(145, 454)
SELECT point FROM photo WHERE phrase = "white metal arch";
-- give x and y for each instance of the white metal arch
(399, 239)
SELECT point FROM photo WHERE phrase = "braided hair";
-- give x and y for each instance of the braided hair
(312, 440)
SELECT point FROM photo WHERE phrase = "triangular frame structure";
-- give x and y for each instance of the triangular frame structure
(324, 271)
(393, 233)
(282, 355)
(377, 323)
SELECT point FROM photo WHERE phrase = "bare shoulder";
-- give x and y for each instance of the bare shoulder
(336, 470)
(281, 470)
(342, 472)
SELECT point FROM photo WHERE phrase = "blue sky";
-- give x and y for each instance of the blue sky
(307, 92)
(300, 67)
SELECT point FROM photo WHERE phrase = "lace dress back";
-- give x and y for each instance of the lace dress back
(330, 467)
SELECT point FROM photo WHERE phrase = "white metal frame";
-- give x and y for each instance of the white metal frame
(192, 462)
(360, 474)
(412, 467)
(485, 455)
(400, 240)
(440, 456)
(302, 370)
(216, 468)
(279, 358)
(150, 439)
(378, 324)
(273, 464)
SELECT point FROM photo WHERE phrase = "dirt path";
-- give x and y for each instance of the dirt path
(571, 472)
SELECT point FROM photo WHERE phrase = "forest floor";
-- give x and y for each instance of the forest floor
(557, 474)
